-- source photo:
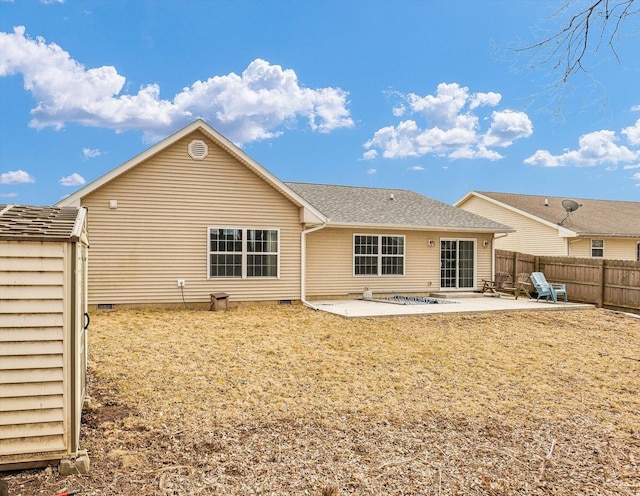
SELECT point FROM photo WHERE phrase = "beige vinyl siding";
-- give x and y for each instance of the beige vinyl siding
(330, 263)
(158, 233)
(32, 356)
(614, 248)
(531, 236)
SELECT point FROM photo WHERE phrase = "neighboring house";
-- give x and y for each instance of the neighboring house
(195, 207)
(43, 320)
(544, 226)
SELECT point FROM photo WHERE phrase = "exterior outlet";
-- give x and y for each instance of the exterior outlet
(181, 283)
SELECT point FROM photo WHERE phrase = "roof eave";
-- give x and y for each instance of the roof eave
(404, 227)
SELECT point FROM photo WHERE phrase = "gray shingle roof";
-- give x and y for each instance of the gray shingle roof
(593, 218)
(31, 223)
(396, 208)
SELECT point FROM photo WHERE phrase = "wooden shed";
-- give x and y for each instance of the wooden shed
(43, 335)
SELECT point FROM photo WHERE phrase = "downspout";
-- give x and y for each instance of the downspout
(303, 264)
(493, 254)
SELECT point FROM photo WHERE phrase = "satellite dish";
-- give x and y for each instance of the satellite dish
(569, 206)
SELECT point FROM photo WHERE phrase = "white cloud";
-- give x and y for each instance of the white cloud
(416, 168)
(16, 177)
(596, 148)
(91, 152)
(490, 99)
(74, 179)
(372, 171)
(443, 108)
(399, 111)
(632, 133)
(637, 166)
(451, 130)
(635, 108)
(506, 127)
(8, 195)
(257, 104)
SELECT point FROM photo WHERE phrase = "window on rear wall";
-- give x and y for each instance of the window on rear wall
(378, 255)
(597, 248)
(243, 253)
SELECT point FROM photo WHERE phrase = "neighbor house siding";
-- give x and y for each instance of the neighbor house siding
(32, 351)
(614, 248)
(330, 263)
(531, 236)
(158, 232)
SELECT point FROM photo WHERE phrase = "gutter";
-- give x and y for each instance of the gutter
(303, 264)
(493, 254)
(395, 227)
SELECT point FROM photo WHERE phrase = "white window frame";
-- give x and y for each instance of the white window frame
(380, 256)
(244, 254)
(597, 248)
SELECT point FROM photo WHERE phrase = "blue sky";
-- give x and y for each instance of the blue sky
(421, 95)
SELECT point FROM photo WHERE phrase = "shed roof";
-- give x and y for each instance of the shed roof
(47, 223)
(606, 218)
(392, 208)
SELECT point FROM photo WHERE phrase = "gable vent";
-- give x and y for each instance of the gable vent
(198, 150)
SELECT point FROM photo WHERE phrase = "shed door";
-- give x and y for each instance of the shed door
(457, 263)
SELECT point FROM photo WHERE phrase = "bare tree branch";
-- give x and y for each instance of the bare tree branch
(585, 27)
(568, 48)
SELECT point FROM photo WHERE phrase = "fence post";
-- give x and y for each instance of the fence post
(536, 264)
(515, 267)
(601, 280)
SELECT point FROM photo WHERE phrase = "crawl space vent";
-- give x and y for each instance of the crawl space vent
(198, 150)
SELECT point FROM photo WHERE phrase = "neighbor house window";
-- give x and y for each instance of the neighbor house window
(597, 248)
(378, 255)
(243, 253)
(638, 252)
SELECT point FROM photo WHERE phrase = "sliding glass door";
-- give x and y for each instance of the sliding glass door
(457, 263)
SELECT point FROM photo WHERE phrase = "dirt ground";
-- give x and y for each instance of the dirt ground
(282, 400)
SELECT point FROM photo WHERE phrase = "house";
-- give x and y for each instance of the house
(43, 322)
(196, 209)
(557, 226)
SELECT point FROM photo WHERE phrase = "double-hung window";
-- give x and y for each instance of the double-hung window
(243, 253)
(378, 255)
(597, 248)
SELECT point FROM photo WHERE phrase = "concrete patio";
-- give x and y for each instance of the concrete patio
(462, 303)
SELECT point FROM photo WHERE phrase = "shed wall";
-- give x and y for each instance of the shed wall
(32, 352)
(158, 232)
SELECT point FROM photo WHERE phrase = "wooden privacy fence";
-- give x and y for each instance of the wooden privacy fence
(612, 284)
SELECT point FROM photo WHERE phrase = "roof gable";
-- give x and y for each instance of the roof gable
(593, 218)
(309, 214)
(392, 208)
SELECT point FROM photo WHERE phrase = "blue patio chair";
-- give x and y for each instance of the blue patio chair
(546, 289)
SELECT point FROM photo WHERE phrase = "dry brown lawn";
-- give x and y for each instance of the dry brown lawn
(282, 400)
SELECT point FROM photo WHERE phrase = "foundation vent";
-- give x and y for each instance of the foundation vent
(198, 150)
